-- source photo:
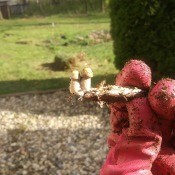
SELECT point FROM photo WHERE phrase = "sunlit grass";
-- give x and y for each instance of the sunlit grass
(26, 44)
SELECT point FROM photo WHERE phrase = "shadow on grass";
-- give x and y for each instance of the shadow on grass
(8, 87)
(23, 85)
(50, 66)
(56, 104)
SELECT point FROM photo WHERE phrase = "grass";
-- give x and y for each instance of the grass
(28, 43)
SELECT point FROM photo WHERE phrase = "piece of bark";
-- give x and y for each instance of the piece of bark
(112, 94)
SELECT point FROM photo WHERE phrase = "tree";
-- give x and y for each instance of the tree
(145, 30)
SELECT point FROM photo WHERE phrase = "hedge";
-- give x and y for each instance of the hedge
(144, 29)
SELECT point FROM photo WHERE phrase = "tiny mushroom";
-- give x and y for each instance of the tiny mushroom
(86, 75)
(74, 86)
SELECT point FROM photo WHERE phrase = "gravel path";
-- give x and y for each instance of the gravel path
(47, 134)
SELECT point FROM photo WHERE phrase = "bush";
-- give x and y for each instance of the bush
(145, 30)
(62, 62)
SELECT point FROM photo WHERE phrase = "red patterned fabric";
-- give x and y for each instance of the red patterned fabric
(165, 162)
(137, 131)
(173, 138)
(134, 150)
(166, 127)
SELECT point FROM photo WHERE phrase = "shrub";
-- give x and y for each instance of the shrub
(62, 62)
(145, 30)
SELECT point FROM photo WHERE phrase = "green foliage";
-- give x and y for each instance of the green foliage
(145, 30)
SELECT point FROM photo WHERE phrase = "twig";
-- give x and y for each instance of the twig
(111, 94)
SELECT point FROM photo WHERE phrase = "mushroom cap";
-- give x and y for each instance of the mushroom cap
(86, 73)
(75, 75)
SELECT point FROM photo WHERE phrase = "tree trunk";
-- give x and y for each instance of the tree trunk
(1, 17)
(102, 5)
(86, 6)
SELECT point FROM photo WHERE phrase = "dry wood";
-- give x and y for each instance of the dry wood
(111, 94)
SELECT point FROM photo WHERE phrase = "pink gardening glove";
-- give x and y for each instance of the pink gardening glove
(162, 101)
(118, 121)
(139, 144)
(173, 138)
(133, 149)
(137, 74)
(166, 127)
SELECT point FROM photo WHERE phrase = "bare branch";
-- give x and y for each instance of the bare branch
(111, 94)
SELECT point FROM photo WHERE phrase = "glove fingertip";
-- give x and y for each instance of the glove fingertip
(135, 73)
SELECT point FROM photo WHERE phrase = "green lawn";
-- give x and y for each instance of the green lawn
(28, 43)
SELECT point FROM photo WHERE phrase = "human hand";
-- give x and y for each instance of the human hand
(134, 147)
(162, 101)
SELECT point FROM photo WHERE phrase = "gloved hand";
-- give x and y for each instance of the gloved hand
(166, 127)
(134, 147)
(162, 101)
(116, 129)
(162, 98)
(118, 117)
(137, 74)
(173, 138)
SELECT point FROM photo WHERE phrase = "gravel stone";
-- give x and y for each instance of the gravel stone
(51, 134)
